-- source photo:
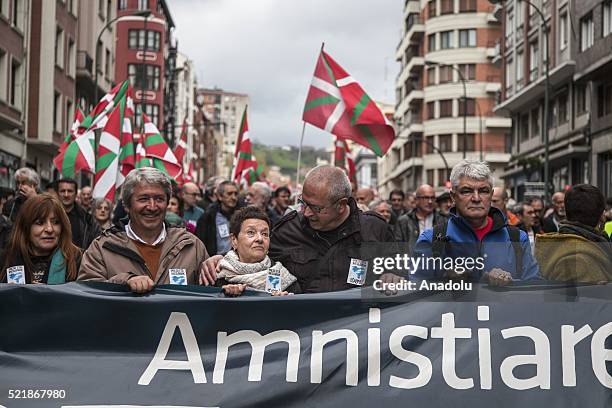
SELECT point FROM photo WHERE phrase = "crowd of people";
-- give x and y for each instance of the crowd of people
(274, 241)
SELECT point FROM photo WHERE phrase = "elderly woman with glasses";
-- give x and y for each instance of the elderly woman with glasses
(247, 264)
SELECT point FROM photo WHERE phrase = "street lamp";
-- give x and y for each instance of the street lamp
(546, 91)
(144, 14)
(462, 79)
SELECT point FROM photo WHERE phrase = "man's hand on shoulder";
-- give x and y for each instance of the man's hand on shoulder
(209, 269)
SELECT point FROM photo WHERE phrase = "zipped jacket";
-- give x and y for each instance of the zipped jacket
(114, 258)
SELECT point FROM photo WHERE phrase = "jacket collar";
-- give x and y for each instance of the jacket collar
(499, 219)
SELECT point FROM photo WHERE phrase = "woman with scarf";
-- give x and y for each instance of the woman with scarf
(40, 249)
(247, 264)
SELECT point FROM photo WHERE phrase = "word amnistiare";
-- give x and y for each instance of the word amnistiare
(447, 332)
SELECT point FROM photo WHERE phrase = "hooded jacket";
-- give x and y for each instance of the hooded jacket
(322, 264)
(407, 228)
(114, 258)
(576, 253)
(495, 249)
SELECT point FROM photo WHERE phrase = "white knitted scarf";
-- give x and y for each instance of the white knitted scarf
(254, 275)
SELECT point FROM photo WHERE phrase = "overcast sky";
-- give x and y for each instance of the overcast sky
(268, 50)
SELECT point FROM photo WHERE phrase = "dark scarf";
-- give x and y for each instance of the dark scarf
(585, 231)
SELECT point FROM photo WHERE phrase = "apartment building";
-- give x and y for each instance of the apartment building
(13, 61)
(446, 53)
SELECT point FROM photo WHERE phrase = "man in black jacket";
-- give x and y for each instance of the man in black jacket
(27, 185)
(84, 227)
(213, 227)
(329, 244)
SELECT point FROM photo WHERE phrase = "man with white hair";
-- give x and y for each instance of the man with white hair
(145, 252)
(27, 184)
(324, 244)
(477, 234)
(260, 195)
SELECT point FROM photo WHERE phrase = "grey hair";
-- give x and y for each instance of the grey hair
(30, 175)
(473, 169)
(335, 177)
(376, 203)
(148, 175)
(265, 189)
(223, 184)
(97, 202)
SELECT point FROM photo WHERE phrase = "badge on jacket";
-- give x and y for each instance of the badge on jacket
(223, 230)
(357, 272)
(273, 281)
(178, 276)
(16, 274)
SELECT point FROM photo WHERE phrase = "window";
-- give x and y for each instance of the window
(445, 143)
(587, 30)
(429, 145)
(109, 7)
(101, 6)
(447, 6)
(431, 76)
(446, 108)
(430, 177)
(17, 11)
(4, 8)
(59, 47)
(467, 38)
(509, 23)
(69, 114)
(562, 102)
(520, 9)
(3, 74)
(524, 127)
(16, 85)
(563, 30)
(152, 111)
(99, 57)
(107, 63)
(581, 99)
(446, 40)
(143, 5)
(145, 77)
(468, 71)
(71, 58)
(431, 8)
(138, 39)
(604, 99)
(467, 5)
(534, 60)
(57, 112)
(470, 105)
(607, 18)
(469, 139)
(122, 4)
(442, 177)
(446, 74)
(431, 42)
(519, 68)
(431, 110)
(509, 73)
(535, 122)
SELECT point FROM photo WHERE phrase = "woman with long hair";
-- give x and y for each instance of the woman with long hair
(40, 249)
(102, 211)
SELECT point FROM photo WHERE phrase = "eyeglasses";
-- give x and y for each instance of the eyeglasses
(315, 208)
(469, 192)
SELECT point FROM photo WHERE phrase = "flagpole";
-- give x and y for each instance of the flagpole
(299, 163)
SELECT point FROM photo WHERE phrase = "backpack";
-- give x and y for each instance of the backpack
(440, 239)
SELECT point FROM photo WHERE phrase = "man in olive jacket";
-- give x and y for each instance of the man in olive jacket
(329, 245)
(145, 252)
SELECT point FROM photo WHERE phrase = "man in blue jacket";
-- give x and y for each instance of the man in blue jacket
(476, 243)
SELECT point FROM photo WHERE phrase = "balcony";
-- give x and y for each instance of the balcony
(84, 64)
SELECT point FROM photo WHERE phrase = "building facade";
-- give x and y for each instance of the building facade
(14, 40)
(446, 53)
(51, 95)
(145, 50)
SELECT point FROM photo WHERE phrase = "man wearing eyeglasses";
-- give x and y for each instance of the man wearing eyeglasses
(475, 230)
(326, 243)
(409, 226)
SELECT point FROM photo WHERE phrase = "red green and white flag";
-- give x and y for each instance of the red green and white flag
(245, 164)
(181, 145)
(343, 159)
(156, 149)
(337, 104)
(79, 152)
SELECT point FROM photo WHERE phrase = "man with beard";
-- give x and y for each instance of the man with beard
(213, 227)
(145, 252)
(84, 227)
